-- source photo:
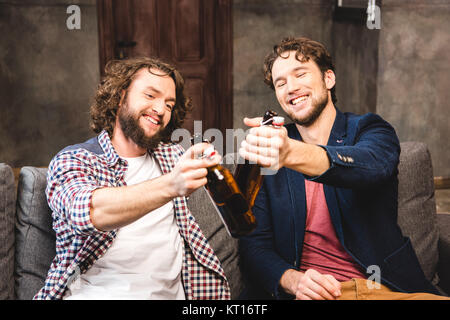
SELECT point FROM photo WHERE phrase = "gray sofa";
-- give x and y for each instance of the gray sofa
(28, 241)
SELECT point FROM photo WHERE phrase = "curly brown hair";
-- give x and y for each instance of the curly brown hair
(305, 49)
(118, 76)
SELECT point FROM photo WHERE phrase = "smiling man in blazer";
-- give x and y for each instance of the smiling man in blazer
(328, 217)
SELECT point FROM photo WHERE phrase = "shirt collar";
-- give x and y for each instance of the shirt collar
(110, 153)
(338, 131)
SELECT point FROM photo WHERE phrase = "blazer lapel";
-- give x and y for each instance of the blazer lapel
(337, 138)
(297, 183)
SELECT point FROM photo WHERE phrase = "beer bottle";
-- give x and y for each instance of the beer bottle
(248, 175)
(228, 199)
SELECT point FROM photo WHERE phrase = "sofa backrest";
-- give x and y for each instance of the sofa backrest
(7, 216)
(35, 238)
(416, 205)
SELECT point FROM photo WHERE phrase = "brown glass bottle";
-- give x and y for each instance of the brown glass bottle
(248, 175)
(229, 200)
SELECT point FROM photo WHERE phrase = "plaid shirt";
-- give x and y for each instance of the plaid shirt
(73, 175)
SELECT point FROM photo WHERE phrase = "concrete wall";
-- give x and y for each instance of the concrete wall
(48, 75)
(413, 76)
(257, 26)
(355, 53)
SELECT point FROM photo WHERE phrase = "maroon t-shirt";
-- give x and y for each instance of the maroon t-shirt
(322, 250)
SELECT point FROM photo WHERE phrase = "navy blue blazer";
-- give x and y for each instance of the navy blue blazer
(361, 192)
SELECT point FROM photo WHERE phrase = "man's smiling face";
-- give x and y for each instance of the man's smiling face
(300, 88)
(146, 107)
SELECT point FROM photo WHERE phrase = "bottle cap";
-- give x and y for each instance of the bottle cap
(272, 118)
(278, 121)
(209, 152)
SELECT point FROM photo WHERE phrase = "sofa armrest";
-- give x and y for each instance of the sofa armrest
(444, 251)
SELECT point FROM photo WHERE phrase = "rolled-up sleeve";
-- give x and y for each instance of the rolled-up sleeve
(70, 185)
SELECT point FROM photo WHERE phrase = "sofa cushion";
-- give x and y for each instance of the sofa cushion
(416, 205)
(224, 246)
(7, 216)
(35, 247)
(35, 238)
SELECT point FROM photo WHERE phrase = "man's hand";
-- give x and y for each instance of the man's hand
(265, 145)
(310, 285)
(272, 148)
(190, 172)
(116, 207)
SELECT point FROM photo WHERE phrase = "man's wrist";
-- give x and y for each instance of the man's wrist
(289, 280)
(289, 158)
(167, 183)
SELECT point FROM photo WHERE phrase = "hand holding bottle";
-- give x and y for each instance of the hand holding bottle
(267, 146)
(190, 172)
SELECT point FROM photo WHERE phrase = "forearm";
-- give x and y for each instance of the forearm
(308, 159)
(115, 207)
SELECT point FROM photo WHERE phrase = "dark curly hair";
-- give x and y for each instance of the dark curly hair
(118, 76)
(306, 49)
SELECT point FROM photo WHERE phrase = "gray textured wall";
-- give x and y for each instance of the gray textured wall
(48, 75)
(355, 53)
(257, 26)
(413, 76)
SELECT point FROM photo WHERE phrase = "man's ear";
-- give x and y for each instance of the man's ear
(122, 97)
(330, 79)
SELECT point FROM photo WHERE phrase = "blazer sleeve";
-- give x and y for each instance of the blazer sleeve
(369, 157)
(260, 262)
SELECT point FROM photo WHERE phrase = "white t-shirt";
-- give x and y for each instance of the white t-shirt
(145, 259)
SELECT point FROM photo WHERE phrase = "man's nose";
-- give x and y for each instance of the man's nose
(158, 106)
(292, 85)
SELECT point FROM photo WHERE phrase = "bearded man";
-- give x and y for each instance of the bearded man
(328, 217)
(123, 229)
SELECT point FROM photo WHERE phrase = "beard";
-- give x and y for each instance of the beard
(318, 104)
(132, 130)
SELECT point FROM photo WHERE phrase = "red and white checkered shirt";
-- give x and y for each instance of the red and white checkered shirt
(73, 175)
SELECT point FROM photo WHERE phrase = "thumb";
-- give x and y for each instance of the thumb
(195, 151)
(253, 122)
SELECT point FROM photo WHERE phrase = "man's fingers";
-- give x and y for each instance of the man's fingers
(196, 173)
(253, 122)
(261, 141)
(328, 282)
(263, 151)
(257, 158)
(320, 289)
(336, 284)
(196, 151)
(193, 157)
